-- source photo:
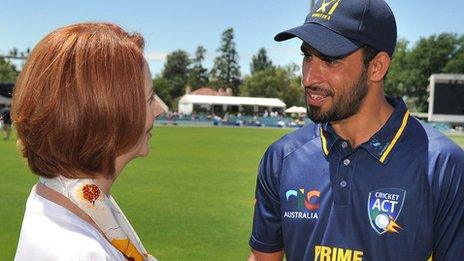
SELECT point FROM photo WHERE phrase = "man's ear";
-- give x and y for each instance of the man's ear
(378, 67)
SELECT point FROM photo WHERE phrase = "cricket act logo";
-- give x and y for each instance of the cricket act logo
(384, 206)
(326, 9)
(305, 201)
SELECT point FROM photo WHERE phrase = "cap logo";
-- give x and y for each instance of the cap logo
(326, 9)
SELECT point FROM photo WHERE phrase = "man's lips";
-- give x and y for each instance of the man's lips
(316, 96)
(315, 90)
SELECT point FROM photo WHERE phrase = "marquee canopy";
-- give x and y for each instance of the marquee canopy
(296, 109)
(187, 101)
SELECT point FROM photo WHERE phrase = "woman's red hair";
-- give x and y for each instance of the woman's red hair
(80, 100)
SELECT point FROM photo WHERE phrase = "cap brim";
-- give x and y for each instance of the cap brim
(322, 39)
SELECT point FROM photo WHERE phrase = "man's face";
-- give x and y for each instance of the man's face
(334, 88)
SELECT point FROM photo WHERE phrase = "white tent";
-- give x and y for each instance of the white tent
(187, 101)
(296, 109)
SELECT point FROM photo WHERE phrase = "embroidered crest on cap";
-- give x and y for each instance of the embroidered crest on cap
(326, 9)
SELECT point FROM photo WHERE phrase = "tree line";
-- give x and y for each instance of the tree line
(408, 75)
(265, 80)
(411, 67)
(8, 71)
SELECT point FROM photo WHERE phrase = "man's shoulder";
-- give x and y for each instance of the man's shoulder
(440, 144)
(295, 140)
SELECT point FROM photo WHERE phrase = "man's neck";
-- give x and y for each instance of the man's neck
(370, 118)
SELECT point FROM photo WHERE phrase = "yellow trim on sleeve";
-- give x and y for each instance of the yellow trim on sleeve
(324, 142)
(397, 136)
(430, 258)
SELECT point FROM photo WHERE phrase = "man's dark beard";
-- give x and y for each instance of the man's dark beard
(346, 106)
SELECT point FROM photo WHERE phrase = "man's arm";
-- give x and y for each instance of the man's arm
(261, 256)
(448, 187)
(266, 235)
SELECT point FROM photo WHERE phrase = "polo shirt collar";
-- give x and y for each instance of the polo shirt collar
(328, 137)
(381, 144)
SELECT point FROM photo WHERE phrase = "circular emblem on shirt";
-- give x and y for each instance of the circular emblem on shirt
(91, 192)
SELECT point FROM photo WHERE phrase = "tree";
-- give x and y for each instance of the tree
(198, 75)
(455, 65)
(8, 72)
(410, 69)
(260, 61)
(275, 82)
(294, 94)
(13, 52)
(176, 71)
(265, 83)
(456, 62)
(429, 56)
(162, 88)
(398, 72)
(226, 70)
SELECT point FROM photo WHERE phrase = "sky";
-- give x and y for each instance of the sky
(170, 25)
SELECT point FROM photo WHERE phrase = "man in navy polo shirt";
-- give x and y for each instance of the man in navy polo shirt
(367, 181)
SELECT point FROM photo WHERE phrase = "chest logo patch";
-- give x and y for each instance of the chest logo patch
(384, 207)
(307, 204)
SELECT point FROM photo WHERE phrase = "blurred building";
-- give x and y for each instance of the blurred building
(6, 90)
(219, 105)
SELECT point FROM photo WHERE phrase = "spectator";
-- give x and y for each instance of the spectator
(5, 119)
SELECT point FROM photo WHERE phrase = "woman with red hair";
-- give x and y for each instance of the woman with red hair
(83, 108)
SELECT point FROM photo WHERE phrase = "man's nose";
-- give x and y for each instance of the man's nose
(313, 72)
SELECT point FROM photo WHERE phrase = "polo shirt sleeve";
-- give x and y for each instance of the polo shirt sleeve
(448, 192)
(267, 222)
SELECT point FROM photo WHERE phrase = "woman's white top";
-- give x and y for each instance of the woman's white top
(51, 232)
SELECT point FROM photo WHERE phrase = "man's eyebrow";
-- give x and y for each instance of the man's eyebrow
(305, 48)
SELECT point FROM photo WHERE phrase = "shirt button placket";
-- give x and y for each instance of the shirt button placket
(344, 144)
(346, 162)
(343, 183)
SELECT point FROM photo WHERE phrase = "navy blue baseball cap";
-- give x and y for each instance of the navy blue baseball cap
(337, 28)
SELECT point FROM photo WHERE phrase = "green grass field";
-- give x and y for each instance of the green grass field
(190, 199)
(459, 139)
